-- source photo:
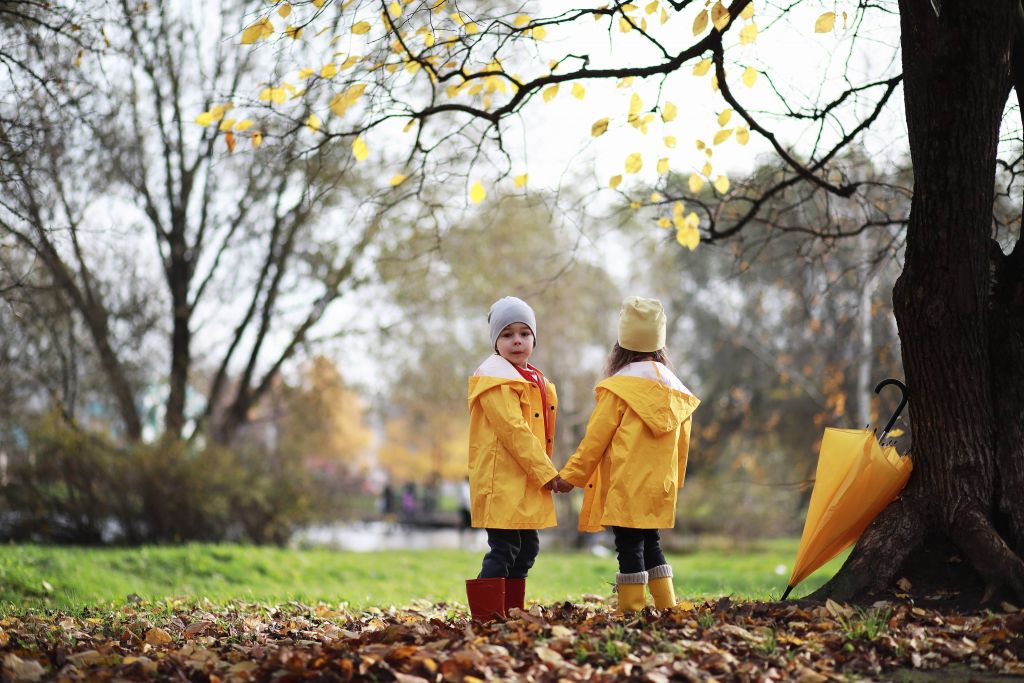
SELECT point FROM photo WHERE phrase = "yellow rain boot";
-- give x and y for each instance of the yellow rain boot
(632, 590)
(661, 586)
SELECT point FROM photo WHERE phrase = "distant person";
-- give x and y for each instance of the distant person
(512, 423)
(387, 500)
(409, 503)
(632, 459)
(465, 512)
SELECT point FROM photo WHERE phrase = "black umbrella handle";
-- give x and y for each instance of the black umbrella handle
(899, 409)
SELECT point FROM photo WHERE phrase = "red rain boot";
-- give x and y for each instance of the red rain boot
(486, 598)
(515, 594)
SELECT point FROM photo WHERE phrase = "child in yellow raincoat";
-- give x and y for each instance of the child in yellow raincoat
(512, 422)
(632, 460)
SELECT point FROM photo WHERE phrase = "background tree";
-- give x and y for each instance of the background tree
(959, 302)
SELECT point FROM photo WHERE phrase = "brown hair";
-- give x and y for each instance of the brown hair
(620, 358)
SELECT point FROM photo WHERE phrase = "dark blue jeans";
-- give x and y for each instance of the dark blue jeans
(512, 554)
(638, 549)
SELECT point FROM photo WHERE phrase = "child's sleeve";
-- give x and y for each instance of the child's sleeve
(501, 408)
(600, 429)
(684, 447)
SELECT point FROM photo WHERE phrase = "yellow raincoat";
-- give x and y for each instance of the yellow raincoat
(509, 461)
(632, 460)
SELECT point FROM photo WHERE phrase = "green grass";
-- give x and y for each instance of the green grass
(73, 578)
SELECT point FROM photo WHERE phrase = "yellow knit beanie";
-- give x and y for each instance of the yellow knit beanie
(641, 325)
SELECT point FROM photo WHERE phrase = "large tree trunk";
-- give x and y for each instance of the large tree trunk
(958, 75)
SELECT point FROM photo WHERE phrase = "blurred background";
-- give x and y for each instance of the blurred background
(260, 344)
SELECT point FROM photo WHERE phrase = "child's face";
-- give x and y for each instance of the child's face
(515, 344)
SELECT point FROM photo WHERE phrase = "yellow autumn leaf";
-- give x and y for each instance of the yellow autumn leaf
(471, 28)
(722, 184)
(539, 33)
(702, 67)
(669, 112)
(243, 125)
(395, 10)
(624, 25)
(695, 183)
(578, 91)
(614, 181)
(825, 22)
(634, 162)
(724, 117)
(656, 197)
(700, 23)
(599, 127)
(361, 28)
(204, 119)
(318, 3)
(714, 82)
(663, 166)
(700, 144)
(329, 70)
(750, 75)
(635, 204)
(635, 104)
(477, 193)
(720, 16)
(670, 141)
(748, 34)
(306, 72)
(677, 211)
(706, 169)
(397, 179)
(664, 222)
(747, 12)
(257, 31)
(897, 432)
(652, 7)
(521, 20)
(624, 82)
(342, 101)
(359, 149)
(313, 122)
(549, 93)
(743, 135)
(257, 139)
(284, 10)
(520, 180)
(663, 16)
(688, 237)
(226, 125)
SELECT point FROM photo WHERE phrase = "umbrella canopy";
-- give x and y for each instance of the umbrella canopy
(855, 479)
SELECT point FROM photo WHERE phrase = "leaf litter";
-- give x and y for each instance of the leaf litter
(721, 640)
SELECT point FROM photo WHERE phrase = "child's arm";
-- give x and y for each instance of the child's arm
(501, 407)
(684, 448)
(600, 429)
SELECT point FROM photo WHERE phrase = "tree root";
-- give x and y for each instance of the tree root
(988, 553)
(878, 555)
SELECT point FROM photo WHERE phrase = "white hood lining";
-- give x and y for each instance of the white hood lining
(655, 372)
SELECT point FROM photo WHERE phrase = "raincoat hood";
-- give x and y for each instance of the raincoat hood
(654, 393)
(493, 372)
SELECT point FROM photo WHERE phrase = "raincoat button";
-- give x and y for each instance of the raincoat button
(590, 486)
(536, 414)
(552, 407)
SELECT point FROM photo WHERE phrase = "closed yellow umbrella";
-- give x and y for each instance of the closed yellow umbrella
(855, 479)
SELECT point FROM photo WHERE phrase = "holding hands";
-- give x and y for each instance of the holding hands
(559, 485)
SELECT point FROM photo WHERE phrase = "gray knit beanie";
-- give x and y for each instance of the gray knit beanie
(506, 311)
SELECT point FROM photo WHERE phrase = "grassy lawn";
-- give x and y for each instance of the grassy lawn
(65, 577)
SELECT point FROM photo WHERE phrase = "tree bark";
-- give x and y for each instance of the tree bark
(957, 78)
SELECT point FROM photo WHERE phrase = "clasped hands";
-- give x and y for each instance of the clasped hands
(559, 485)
